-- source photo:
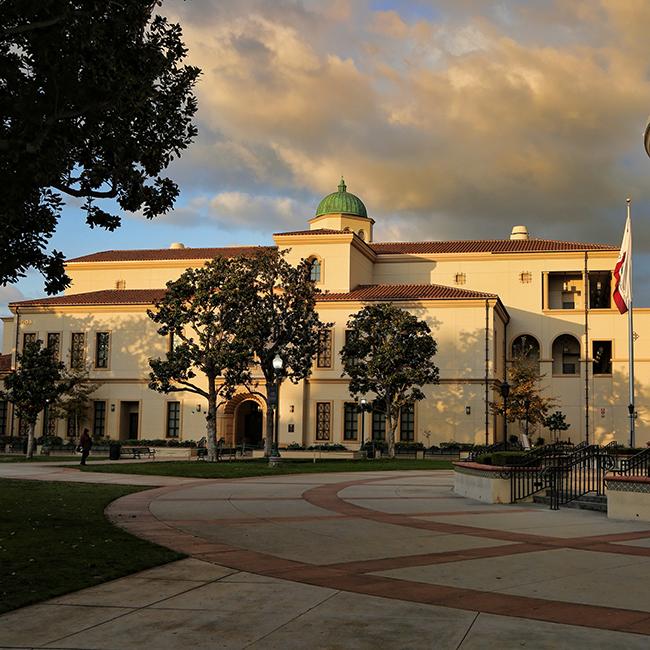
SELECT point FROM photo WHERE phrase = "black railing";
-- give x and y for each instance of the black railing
(530, 477)
(580, 473)
(480, 450)
(637, 465)
(567, 473)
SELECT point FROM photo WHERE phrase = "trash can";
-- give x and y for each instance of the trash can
(114, 450)
(370, 451)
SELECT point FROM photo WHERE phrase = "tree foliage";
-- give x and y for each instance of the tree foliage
(200, 313)
(525, 400)
(278, 317)
(73, 401)
(556, 422)
(389, 352)
(36, 382)
(95, 102)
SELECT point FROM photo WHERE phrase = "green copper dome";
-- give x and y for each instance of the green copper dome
(341, 202)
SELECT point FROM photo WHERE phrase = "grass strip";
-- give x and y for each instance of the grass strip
(248, 468)
(54, 539)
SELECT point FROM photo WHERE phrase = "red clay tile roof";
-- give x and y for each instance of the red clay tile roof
(371, 292)
(5, 362)
(141, 255)
(105, 297)
(485, 246)
(317, 231)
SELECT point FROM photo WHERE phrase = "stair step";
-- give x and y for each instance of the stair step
(594, 502)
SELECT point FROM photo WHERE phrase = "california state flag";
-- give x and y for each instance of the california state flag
(622, 272)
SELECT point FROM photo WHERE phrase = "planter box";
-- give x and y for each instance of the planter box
(290, 454)
(628, 497)
(174, 453)
(486, 483)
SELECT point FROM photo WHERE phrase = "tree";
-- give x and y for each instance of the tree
(95, 103)
(200, 313)
(389, 352)
(556, 422)
(33, 384)
(74, 398)
(525, 400)
(278, 317)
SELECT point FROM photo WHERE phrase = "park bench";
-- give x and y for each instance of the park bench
(138, 452)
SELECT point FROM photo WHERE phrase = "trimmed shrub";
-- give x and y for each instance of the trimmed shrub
(503, 458)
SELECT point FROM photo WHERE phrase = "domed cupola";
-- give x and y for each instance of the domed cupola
(343, 211)
(342, 202)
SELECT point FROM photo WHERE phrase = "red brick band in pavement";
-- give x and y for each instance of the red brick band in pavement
(132, 513)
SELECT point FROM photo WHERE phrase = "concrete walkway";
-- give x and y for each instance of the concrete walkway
(390, 559)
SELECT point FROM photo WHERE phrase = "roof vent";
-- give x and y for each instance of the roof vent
(177, 245)
(519, 232)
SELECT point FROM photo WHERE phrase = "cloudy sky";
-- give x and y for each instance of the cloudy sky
(451, 119)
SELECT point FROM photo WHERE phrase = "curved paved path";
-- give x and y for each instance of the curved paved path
(405, 536)
(357, 560)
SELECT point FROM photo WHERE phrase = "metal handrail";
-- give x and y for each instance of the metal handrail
(638, 465)
(566, 475)
(579, 474)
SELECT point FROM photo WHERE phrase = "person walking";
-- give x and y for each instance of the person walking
(85, 443)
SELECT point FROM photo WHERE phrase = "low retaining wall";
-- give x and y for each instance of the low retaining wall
(486, 483)
(628, 497)
(314, 454)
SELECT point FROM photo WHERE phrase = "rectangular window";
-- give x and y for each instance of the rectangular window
(324, 359)
(565, 290)
(71, 427)
(348, 333)
(102, 346)
(350, 421)
(77, 350)
(323, 420)
(47, 421)
(54, 344)
(28, 337)
(3, 417)
(599, 289)
(99, 419)
(602, 356)
(378, 421)
(173, 419)
(407, 423)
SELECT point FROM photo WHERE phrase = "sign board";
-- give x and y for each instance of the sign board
(273, 395)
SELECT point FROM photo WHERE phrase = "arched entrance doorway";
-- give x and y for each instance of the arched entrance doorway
(249, 421)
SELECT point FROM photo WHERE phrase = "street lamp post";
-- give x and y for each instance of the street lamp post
(505, 391)
(363, 407)
(277, 372)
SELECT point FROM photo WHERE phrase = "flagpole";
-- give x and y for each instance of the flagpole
(630, 327)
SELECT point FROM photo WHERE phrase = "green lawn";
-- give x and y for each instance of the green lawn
(239, 469)
(54, 539)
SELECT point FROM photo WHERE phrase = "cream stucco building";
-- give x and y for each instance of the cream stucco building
(480, 297)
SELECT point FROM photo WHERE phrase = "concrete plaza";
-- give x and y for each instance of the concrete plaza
(390, 559)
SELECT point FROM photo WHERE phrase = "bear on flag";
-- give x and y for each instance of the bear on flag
(622, 272)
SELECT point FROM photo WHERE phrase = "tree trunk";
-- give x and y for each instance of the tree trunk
(211, 422)
(30, 440)
(391, 426)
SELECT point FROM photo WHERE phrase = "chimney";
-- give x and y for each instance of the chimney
(519, 232)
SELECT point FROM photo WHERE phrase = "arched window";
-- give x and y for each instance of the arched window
(527, 347)
(315, 266)
(362, 234)
(566, 355)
